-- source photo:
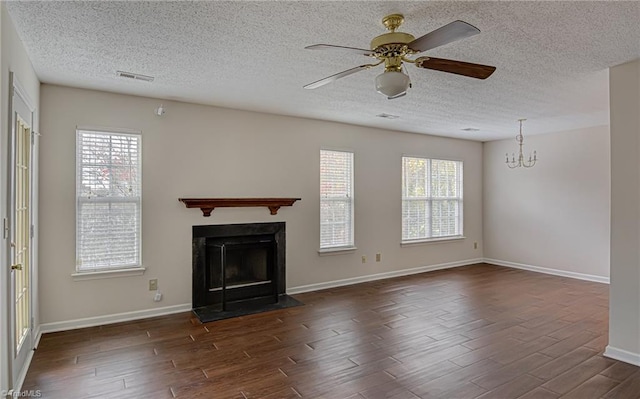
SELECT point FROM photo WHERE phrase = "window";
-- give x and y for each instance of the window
(336, 199)
(431, 199)
(108, 200)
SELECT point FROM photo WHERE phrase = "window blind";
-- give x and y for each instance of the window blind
(336, 199)
(109, 199)
(431, 198)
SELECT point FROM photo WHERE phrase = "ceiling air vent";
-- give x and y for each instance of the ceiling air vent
(135, 76)
(387, 116)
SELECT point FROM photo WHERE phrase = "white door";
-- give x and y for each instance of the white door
(20, 215)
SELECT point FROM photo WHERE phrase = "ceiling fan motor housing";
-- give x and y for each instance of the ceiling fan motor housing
(391, 38)
(391, 47)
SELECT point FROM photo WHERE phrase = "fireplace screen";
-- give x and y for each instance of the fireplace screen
(242, 263)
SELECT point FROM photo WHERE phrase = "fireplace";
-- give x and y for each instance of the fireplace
(238, 269)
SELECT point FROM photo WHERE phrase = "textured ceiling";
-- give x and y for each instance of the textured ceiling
(551, 58)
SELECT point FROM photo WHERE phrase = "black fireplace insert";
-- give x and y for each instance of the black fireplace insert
(239, 269)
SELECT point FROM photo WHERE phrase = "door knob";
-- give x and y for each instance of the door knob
(17, 266)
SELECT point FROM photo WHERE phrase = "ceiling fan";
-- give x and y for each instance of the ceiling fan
(394, 48)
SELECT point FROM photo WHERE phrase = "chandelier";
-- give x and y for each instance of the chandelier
(520, 162)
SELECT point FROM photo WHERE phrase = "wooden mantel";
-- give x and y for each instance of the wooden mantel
(209, 204)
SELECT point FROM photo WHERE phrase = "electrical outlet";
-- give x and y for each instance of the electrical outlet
(378, 256)
(364, 259)
(153, 284)
(475, 245)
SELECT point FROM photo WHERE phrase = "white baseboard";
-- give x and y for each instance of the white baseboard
(545, 270)
(112, 318)
(380, 276)
(143, 314)
(622, 355)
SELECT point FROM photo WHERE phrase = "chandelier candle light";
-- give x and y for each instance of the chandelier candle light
(521, 163)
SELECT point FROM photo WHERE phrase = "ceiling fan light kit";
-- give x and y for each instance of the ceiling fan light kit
(392, 84)
(393, 49)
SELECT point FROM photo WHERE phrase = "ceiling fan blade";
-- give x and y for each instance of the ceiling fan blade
(458, 67)
(360, 51)
(456, 30)
(335, 77)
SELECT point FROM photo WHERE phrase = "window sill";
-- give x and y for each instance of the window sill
(431, 241)
(134, 271)
(336, 251)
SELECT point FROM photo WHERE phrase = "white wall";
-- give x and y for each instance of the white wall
(624, 297)
(12, 58)
(556, 214)
(201, 151)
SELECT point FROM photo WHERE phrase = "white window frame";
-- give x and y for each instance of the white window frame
(429, 199)
(348, 197)
(83, 272)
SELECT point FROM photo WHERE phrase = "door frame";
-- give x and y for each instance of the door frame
(16, 377)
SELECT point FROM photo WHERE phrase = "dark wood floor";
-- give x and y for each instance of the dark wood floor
(479, 331)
